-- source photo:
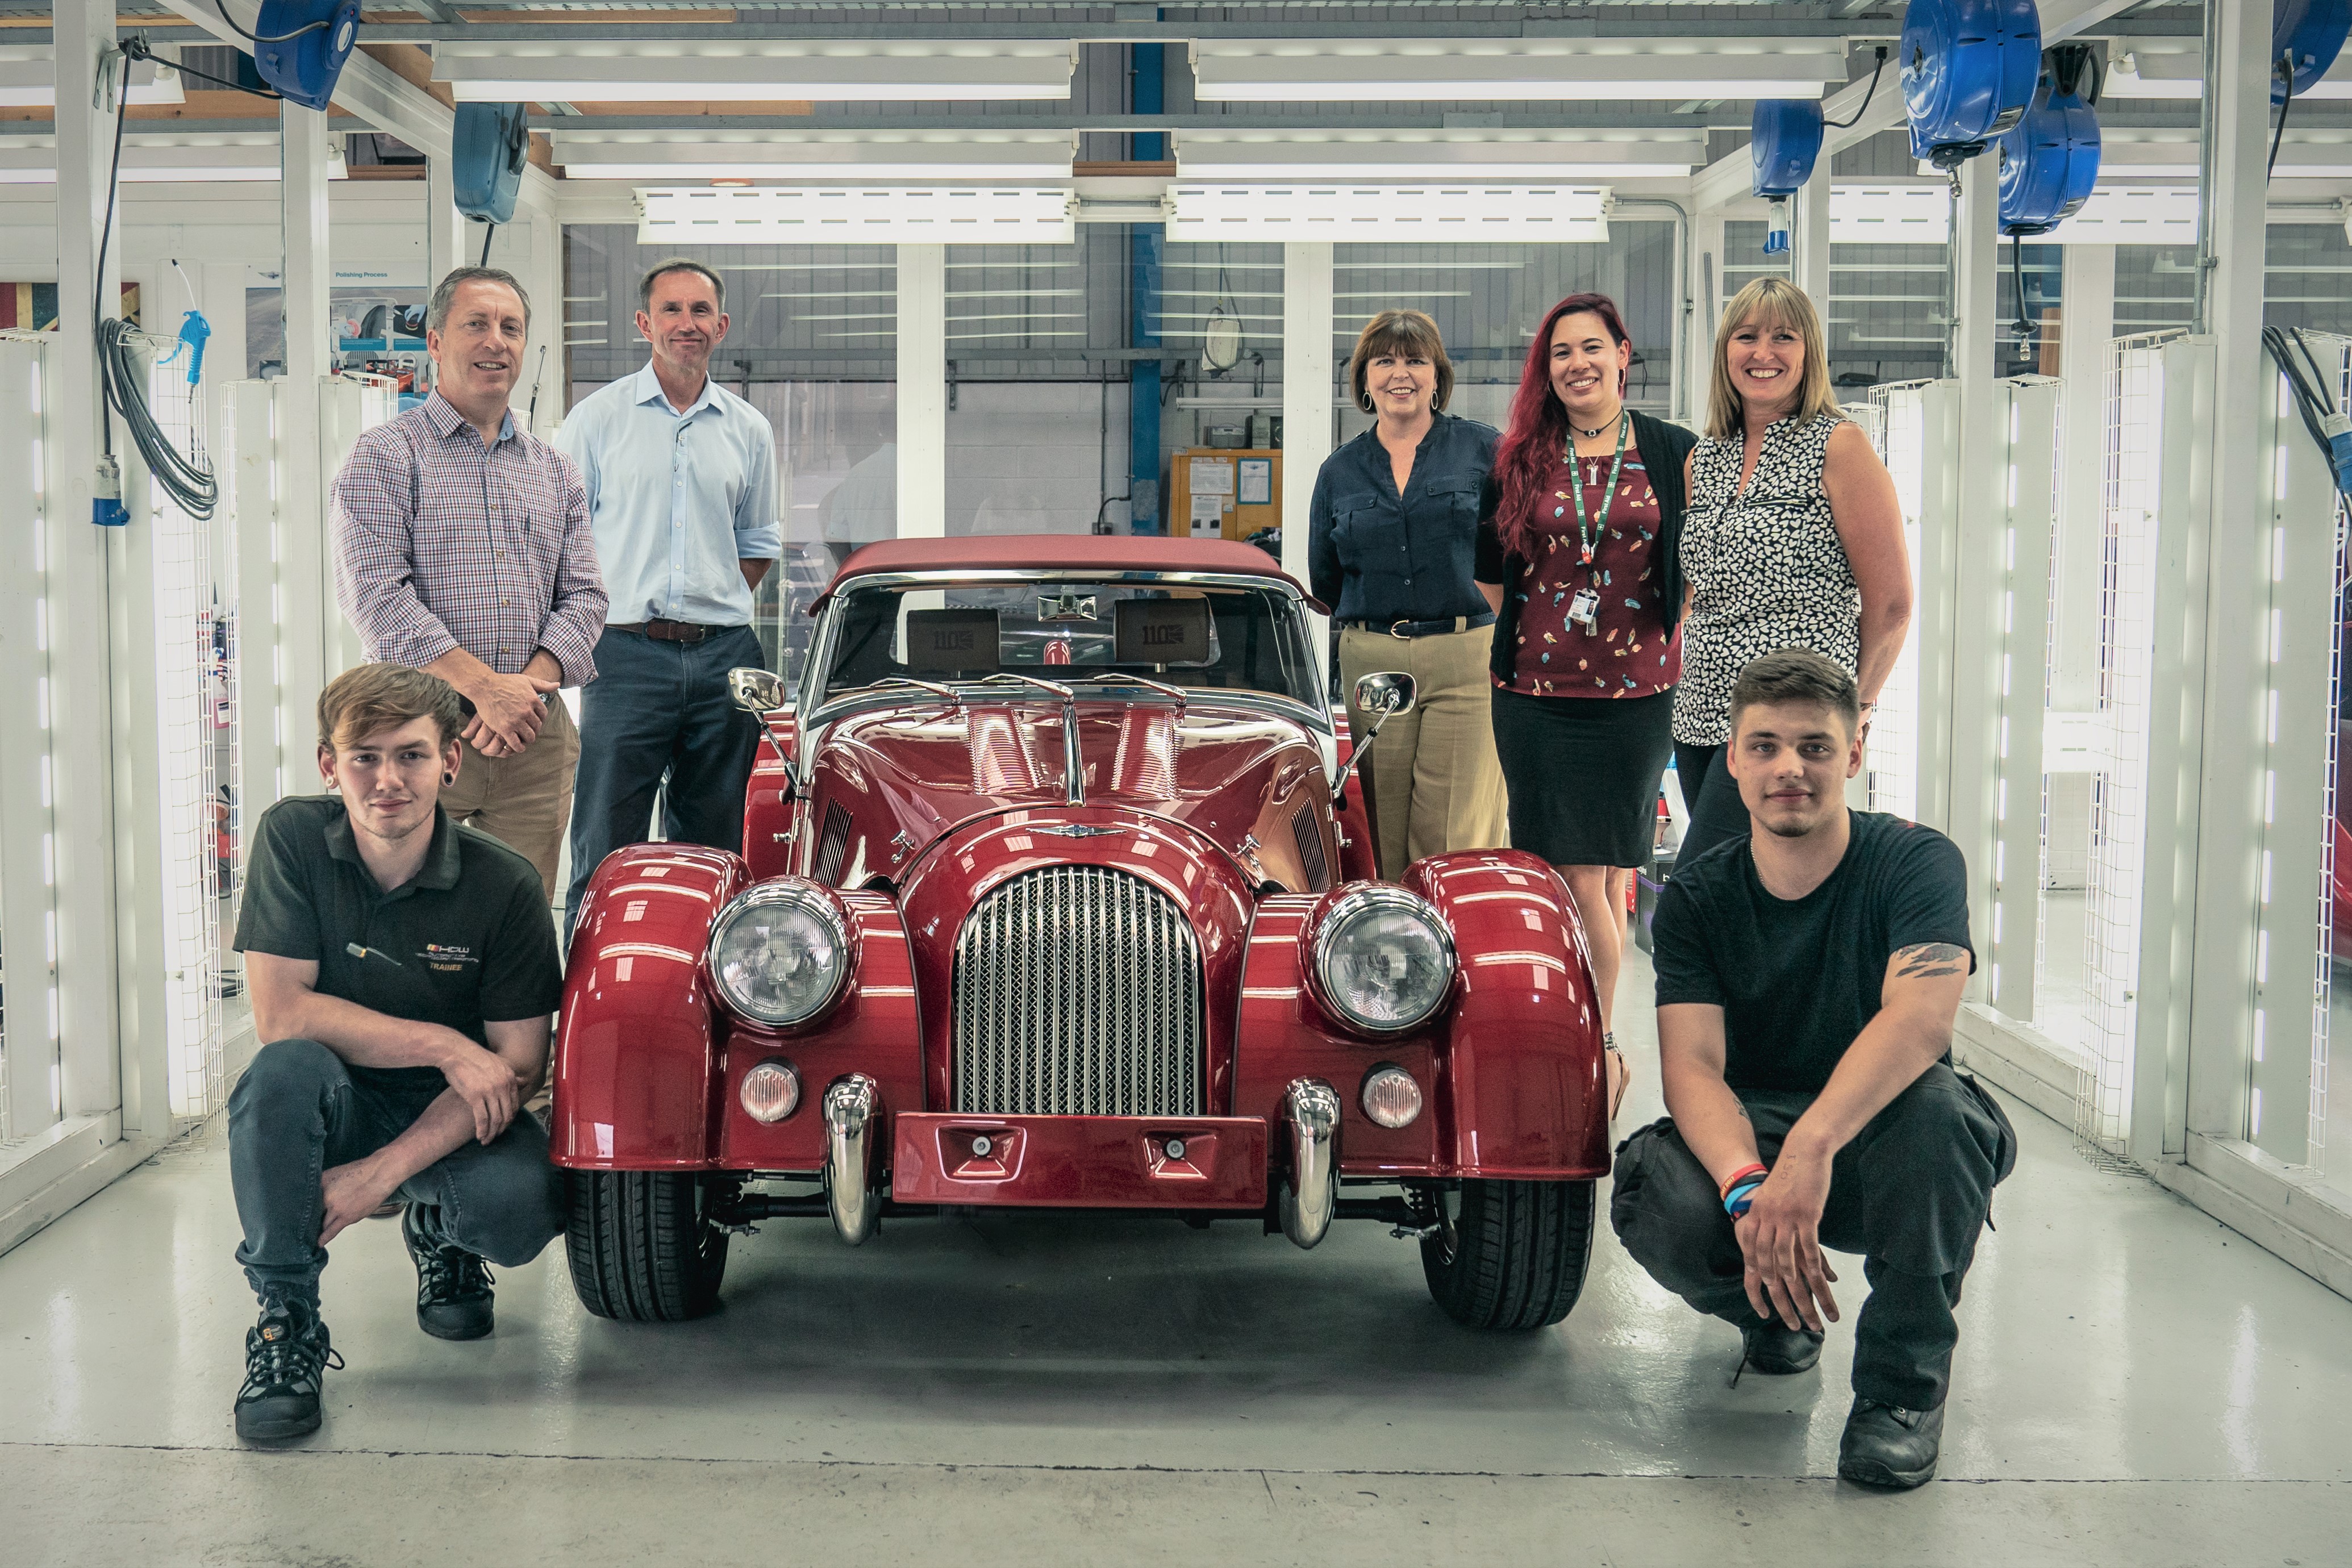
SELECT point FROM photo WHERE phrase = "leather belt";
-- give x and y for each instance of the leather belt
(1406, 630)
(668, 631)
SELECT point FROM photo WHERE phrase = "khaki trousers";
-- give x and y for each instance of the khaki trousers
(523, 801)
(1432, 782)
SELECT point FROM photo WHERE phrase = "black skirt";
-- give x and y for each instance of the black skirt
(1583, 774)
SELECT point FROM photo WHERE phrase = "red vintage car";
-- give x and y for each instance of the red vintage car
(1054, 894)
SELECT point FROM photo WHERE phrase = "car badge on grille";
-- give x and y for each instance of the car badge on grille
(1075, 831)
(1067, 607)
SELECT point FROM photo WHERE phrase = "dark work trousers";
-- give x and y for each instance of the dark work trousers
(297, 1111)
(1910, 1194)
(1711, 795)
(657, 713)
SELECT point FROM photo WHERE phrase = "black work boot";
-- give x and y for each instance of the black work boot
(286, 1359)
(1770, 1347)
(453, 1285)
(1887, 1446)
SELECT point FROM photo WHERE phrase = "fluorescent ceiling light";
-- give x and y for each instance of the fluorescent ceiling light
(182, 157)
(1242, 71)
(593, 156)
(1004, 214)
(832, 73)
(2177, 160)
(1883, 213)
(2145, 73)
(2131, 215)
(1661, 154)
(27, 76)
(1414, 214)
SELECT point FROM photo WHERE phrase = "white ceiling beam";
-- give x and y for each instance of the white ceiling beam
(367, 89)
(1732, 176)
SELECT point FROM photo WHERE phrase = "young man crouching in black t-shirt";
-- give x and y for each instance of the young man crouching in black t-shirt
(1808, 978)
(404, 973)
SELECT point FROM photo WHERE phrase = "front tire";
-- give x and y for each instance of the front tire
(1510, 1254)
(642, 1245)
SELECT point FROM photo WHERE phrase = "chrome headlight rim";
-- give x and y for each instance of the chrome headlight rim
(1344, 907)
(795, 892)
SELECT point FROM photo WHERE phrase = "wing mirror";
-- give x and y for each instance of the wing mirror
(1383, 694)
(762, 691)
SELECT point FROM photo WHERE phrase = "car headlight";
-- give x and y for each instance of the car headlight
(1383, 958)
(779, 953)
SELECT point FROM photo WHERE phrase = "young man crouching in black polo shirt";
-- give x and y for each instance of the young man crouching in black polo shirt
(402, 970)
(1808, 978)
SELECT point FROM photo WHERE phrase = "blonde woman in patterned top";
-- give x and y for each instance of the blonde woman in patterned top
(1793, 539)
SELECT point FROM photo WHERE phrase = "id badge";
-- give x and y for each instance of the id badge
(1583, 607)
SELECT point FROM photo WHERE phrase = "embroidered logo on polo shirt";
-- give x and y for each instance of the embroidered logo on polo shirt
(447, 957)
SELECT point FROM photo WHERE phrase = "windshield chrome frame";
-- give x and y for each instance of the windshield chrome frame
(1314, 716)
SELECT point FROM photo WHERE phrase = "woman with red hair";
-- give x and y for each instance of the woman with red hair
(1579, 554)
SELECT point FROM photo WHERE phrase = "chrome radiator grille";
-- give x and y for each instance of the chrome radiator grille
(1077, 993)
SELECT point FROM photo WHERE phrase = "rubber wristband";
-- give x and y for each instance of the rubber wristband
(1735, 1203)
(1741, 1176)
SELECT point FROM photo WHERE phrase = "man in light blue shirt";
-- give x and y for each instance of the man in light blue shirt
(681, 479)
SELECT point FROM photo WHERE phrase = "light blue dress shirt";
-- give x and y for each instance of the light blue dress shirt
(676, 499)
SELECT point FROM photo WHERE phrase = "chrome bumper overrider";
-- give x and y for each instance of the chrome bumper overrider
(1309, 1195)
(850, 1106)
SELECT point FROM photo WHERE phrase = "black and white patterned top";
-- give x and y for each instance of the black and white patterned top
(1767, 570)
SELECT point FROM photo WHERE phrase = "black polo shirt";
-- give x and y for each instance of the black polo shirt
(469, 938)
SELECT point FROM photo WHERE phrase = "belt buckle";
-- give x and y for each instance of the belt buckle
(1401, 637)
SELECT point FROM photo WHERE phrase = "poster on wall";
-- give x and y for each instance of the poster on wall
(33, 307)
(378, 314)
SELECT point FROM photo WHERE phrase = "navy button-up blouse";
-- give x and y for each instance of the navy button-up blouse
(1375, 556)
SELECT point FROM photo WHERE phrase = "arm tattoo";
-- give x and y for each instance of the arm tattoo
(1928, 960)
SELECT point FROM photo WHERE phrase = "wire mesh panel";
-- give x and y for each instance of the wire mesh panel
(1896, 420)
(187, 663)
(2119, 785)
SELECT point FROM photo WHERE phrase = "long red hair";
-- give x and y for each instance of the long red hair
(1538, 433)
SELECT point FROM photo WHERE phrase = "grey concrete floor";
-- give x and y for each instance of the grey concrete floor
(2136, 1383)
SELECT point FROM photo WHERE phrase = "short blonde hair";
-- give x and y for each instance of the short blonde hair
(1771, 302)
(1399, 333)
(371, 698)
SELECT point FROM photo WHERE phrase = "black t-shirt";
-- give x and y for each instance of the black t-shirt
(469, 938)
(1798, 978)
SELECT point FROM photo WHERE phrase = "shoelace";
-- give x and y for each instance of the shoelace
(296, 1359)
(452, 1274)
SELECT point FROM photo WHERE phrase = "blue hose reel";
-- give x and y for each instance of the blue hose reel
(1968, 69)
(2050, 158)
(489, 145)
(299, 46)
(2311, 32)
(1784, 142)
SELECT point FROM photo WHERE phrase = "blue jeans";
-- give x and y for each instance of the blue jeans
(297, 1111)
(657, 713)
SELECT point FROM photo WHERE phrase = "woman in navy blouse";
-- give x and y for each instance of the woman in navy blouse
(1392, 539)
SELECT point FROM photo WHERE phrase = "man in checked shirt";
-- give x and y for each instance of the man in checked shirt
(462, 547)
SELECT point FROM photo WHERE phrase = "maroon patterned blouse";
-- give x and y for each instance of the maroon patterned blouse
(1627, 653)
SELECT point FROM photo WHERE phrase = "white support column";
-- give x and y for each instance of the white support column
(1706, 312)
(542, 391)
(249, 459)
(2231, 802)
(28, 899)
(445, 226)
(305, 565)
(1937, 607)
(2087, 325)
(2005, 868)
(220, 295)
(1970, 704)
(1808, 238)
(922, 390)
(1307, 415)
(80, 693)
(135, 623)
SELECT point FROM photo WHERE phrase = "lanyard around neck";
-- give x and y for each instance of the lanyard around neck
(1584, 537)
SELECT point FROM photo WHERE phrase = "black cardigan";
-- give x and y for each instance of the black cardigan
(1663, 447)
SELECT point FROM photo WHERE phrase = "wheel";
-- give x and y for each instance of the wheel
(642, 1245)
(1510, 1254)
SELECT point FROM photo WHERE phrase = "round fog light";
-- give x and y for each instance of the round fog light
(1391, 1097)
(1175, 1148)
(772, 1091)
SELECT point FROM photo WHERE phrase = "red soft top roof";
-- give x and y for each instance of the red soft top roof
(1106, 553)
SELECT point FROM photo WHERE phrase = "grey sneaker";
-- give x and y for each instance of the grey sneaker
(287, 1355)
(453, 1285)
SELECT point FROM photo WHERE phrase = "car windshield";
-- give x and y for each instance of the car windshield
(1231, 639)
